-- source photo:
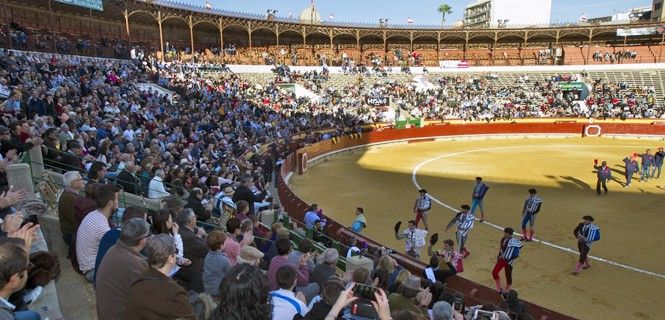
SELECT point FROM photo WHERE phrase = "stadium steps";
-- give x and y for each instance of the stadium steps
(75, 297)
(47, 305)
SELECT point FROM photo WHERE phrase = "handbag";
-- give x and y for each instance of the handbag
(45, 267)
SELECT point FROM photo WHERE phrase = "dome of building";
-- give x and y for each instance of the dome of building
(310, 15)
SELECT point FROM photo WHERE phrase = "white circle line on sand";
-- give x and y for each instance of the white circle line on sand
(546, 243)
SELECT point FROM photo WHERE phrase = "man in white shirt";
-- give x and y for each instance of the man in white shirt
(414, 238)
(286, 304)
(156, 187)
(93, 227)
(128, 133)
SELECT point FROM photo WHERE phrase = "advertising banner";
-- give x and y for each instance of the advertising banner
(453, 64)
(378, 101)
(632, 32)
(568, 86)
(90, 4)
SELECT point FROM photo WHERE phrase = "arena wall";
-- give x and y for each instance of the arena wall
(474, 293)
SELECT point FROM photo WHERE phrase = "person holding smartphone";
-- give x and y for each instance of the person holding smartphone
(346, 298)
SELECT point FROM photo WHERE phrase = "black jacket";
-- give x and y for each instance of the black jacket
(14, 143)
(196, 250)
(322, 273)
(319, 312)
(442, 275)
(52, 154)
(202, 214)
(244, 193)
(71, 162)
(129, 182)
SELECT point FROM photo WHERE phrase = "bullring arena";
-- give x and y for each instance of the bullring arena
(384, 179)
(215, 131)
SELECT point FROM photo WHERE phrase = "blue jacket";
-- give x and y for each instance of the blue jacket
(658, 158)
(647, 160)
(631, 166)
(604, 173)
(108, 240)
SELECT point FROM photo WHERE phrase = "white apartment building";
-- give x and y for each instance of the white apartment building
(501, 13)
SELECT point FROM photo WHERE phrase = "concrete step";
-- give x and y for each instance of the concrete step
(70, 296)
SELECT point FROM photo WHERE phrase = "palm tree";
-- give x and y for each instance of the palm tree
(444, 9)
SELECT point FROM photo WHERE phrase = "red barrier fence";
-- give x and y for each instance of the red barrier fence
(474, 292)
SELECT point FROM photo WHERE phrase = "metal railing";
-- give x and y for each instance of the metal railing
(242, 15)
(296, 237)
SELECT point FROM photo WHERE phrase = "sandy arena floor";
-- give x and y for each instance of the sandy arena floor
(631, 219)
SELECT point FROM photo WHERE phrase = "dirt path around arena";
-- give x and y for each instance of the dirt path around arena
(631, 219)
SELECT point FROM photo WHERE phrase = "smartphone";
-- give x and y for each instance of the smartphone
(31, 218)
(458, 305)
(364, 291)
(364, 310)
(484, 315)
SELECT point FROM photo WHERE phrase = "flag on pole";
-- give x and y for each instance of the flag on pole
(409, 20)
(331, 16)
(208, 5)
(583, 18)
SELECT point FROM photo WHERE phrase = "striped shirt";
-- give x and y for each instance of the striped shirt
(509, 247)
(532, 204)
(89, 234)
(464, 222)
(589, 232)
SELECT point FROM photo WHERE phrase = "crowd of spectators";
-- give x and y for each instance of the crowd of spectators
(17, 288)
(24, 38)
(614, 57)
(210, 152)
(91, 114)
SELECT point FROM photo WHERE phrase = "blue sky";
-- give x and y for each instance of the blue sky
(422, 11)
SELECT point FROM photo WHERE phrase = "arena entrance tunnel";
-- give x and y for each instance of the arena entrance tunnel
(309, 156)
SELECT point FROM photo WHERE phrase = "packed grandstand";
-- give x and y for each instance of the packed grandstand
(192, 126)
